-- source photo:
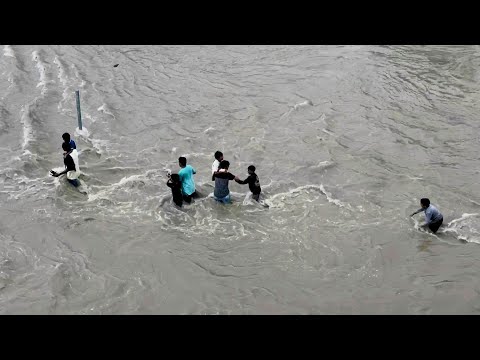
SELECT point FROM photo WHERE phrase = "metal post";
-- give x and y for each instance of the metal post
(79, 113)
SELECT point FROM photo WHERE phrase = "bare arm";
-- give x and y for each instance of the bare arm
(416, 212)
(55, 174)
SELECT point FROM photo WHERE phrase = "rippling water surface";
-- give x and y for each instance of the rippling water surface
(346, 140)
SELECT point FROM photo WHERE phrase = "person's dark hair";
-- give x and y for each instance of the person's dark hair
(66, 146)
(224, 164)
(66, 137)
(175, 178)
(218, 155)
(251, 168)
(182, 160)
(425, 202)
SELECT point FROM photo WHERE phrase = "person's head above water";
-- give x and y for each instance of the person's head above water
(175, 178)
(425, 203)
(66, 147)
(219, 156)
(224, 164)
(66, 137)
(182, 161)
(251, 169)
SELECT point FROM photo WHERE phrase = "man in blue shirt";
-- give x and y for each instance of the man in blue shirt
(433, 217)
(186, 177)
(66, 138)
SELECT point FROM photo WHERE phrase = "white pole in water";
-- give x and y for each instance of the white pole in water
(79, 113)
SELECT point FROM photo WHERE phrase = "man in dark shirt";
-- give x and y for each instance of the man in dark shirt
(221, 192)
(175, 184)
(253, 182)
(66, 138)
(69, 166)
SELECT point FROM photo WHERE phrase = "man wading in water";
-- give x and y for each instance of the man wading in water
(71, 166)
(186, 177)
(433, 217)
(221, 192)
(216, 164)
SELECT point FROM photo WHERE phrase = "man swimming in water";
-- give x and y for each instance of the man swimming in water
(66, 138)
(253, 182)
(433, 217)
(71, 167)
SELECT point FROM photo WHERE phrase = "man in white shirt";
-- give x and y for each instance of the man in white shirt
(218, 159)
(72, 169)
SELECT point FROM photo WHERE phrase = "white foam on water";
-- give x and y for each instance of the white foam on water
(332, 199)
(463, 228)
(302, 104)
(77, 75)
(196, 155)
(413, 177)
(324, 164)
(63, 78)
(98, 144)
(88, 116)
(94, 87)
(8, 51)
(41, 66)
(26, 110)
(463, 217)
(82, 133)
(248, 199)
(61, 71)
(474, 202)
(105, 110)
(328, 132)
(273, 199)
(320, 119)
(103, 194)
(26, 121)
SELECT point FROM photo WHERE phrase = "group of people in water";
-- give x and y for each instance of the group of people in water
(183, 184)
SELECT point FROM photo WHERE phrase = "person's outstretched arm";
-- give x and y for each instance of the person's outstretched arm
(416, 212)
(58, 174)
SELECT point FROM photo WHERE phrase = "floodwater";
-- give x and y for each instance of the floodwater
(345, 139)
